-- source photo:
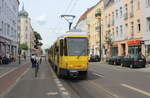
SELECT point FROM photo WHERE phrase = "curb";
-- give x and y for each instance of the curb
(7, 80)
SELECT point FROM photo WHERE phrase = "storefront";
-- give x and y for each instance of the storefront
(114, 49)
(147, 47)
(7, 47)
(134, 47)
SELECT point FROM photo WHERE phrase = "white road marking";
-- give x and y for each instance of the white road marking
(136, 89)
(59, 85)
(98, 75)
(8, 72)
(58, 82)
(52, 93)
(65, 93)
(62, 89)
(107, 91)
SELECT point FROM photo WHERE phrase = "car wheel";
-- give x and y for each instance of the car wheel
(131, 66)
(122, 65)
(115, 63)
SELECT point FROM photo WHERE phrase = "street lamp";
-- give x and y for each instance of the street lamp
(98, 16)
(69, 19)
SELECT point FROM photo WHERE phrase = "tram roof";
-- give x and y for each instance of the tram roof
(73, 33)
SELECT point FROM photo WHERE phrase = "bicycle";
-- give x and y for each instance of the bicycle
(36, 69)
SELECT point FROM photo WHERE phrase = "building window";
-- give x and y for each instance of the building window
(116, 31)
(116, 13)
(148, 24)
(121, 31)
(113, 18)
(132, 11)
(120, 11)
(113, 34)
(148, 2)
(132, 29)
(139, 25)
(138, 4)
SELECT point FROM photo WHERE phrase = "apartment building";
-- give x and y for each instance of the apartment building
(120, 34)
(25, 30)
(8, 27)
(145, 7)
(82, 22)
(132, 29)
(94, 22)
(109, 34)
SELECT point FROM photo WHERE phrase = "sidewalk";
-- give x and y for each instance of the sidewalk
(10, 73)
(146, 69)
(29, 86)
(4, 68)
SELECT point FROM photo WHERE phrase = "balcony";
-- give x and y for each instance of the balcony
(98, 14)
(98, 28)
(108, 25)
(125, 16)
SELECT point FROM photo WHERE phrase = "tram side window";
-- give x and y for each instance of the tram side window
(65, 47)
(61, 47)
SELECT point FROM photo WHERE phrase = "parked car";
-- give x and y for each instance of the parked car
(118, 60)
(134, 61)
(95, 58)
(111, 60)
(115, 60)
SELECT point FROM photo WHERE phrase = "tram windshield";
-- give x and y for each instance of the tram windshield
(77, 46)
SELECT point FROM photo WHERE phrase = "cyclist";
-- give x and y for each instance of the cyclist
(37, 62)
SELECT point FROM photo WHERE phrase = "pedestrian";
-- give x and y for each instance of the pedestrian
(40, 59)
(24, 54)
(0, 59)
(33, 60)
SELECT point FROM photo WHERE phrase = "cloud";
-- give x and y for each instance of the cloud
(41, 20)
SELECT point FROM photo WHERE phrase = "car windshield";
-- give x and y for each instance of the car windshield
(77, 46)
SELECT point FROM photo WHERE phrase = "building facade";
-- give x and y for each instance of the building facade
(109, 28)
(25, 30)
(145, 7)
(132, 29)
(8, 27)
(81, 24)
(123, 24)
(94, 27)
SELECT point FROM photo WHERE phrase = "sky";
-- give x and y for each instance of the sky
(45, 16)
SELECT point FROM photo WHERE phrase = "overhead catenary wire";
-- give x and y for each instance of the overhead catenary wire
(73, 6)
(69, 5)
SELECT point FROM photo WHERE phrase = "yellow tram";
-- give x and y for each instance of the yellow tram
(69, 55)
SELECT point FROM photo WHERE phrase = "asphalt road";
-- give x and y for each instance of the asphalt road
(107, 81)
(103, 81)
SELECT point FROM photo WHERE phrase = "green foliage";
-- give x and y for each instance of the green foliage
(23, 46)
(46, 50)
(38, 38)
(108, 39)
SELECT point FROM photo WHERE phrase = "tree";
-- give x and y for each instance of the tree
(38, 39)
(109, 42)
(46, 50)
(23, 46)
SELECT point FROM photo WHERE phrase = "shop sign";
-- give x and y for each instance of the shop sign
(142, 42)
(134, 42)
